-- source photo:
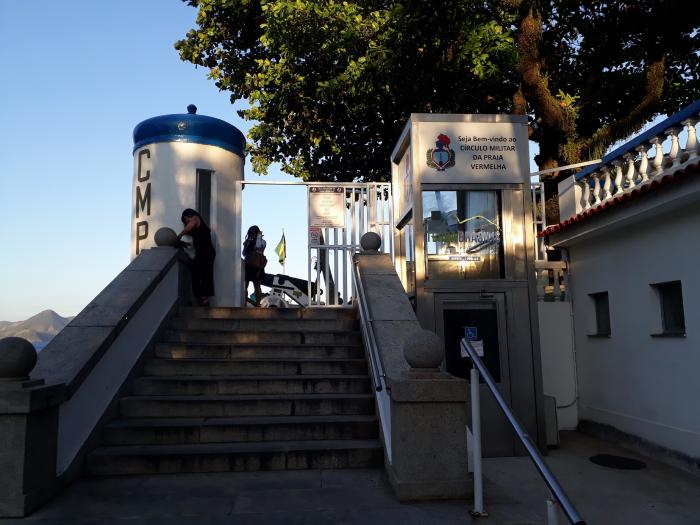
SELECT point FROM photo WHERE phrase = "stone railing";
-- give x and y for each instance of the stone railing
(552, 281)
(639, 162)
(53, 406)
(426, 440)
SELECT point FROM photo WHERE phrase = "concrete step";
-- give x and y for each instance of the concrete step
(255, 337)
(267, 313)
(237, 457)
(237, 367)
(213, 385)
(265, 325)
(271, 351)
(242, 429)
(247, 405)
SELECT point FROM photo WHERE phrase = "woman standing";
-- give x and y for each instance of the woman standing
(255, 261)
(204, 254)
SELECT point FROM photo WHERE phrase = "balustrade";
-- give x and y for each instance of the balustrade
(552, 281)
(630, 166)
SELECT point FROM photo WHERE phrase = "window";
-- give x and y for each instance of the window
(204, 194)
(463, 237)
(670, 298)
(602, 314)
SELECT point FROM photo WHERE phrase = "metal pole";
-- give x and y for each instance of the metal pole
(476, 446)
(549, 479)
(567, 167)
(552, 510)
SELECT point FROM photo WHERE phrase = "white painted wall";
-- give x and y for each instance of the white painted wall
(173, 176)
(558, 360)
(646, 386)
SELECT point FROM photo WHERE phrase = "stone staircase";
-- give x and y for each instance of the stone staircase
(246, 389)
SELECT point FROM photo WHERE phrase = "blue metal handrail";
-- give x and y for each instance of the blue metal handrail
(550, 480)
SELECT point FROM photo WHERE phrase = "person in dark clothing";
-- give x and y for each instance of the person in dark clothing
(204, 254)
(255, 261)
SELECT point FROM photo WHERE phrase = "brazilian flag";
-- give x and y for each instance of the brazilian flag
(281, 249)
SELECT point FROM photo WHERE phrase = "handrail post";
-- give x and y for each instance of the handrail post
(550, 480)
(476, 445)
(552, 510)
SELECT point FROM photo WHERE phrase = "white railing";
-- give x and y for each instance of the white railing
(539, 219)
(368, 209)
(641, 161)
(552, 278)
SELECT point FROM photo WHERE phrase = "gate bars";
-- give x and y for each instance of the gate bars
(368, 207)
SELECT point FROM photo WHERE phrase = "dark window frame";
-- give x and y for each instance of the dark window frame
(203, 193)
(601, 309)
(670, 297)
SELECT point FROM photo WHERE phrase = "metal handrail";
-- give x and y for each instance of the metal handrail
(550, 480)
(381, 393)
(366, 322)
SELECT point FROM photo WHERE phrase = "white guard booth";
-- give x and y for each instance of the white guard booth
(189, 161)
(464, 251)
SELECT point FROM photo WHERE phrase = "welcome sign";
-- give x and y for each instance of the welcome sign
(478, 152)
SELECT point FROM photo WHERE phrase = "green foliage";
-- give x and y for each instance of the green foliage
(598, 57)
(331, 83)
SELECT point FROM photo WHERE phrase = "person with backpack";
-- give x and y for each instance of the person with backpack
(255, 260)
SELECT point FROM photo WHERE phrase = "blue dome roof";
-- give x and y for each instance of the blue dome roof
(190, 127)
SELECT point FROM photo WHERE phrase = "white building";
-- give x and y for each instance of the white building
(631, 232)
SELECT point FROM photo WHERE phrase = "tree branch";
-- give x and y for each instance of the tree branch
(534, 84)
(646, 109)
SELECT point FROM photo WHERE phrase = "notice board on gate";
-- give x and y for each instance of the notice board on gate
(326, 207)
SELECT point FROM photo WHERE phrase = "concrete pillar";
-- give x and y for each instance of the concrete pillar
(569, 198)
(28, 431)
(428, 421)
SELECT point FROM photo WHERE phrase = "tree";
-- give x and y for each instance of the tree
(594, 72)
(331, 84)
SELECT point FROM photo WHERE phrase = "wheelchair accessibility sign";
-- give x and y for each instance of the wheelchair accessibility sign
(471, 333)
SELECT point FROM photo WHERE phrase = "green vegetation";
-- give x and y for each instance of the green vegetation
(330, 84)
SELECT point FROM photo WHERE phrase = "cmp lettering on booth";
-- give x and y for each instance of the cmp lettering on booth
(143, 199)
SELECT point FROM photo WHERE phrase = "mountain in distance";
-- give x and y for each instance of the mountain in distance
(38, 329)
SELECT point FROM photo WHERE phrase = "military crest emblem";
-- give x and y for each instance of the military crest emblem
(441, 156)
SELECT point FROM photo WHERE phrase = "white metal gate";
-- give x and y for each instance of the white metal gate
(367, 207)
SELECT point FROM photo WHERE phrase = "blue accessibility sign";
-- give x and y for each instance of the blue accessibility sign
(471, 333)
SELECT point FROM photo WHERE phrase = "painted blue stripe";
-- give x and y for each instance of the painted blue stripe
(691, 110)
(190, 127)
(195, 139)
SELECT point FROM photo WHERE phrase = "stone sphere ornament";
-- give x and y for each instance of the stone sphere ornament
(17, 359)
(423, 350)
(371, 242)
(165, 237)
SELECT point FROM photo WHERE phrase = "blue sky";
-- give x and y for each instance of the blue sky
(77, 77)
